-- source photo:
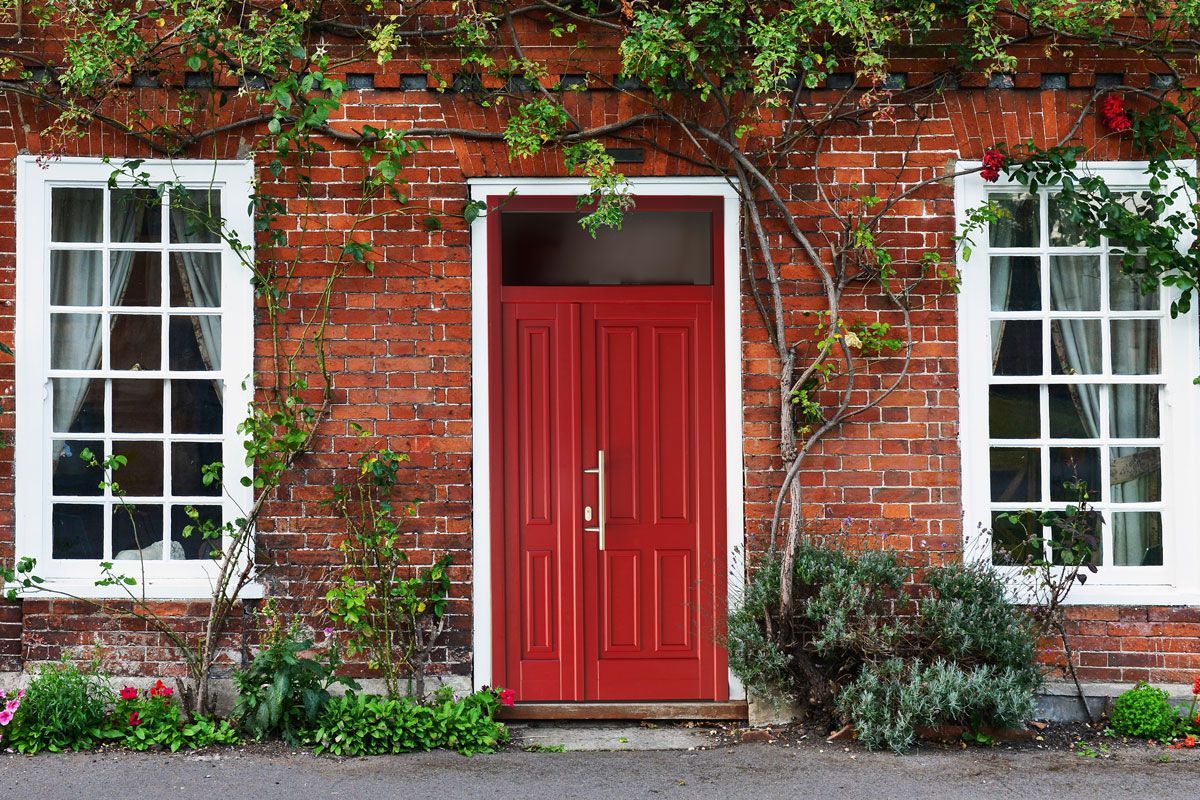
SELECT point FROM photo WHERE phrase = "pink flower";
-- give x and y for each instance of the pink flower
(12, 705)
(328, 631)
(5, 717)
(507, 697)
(993, 162)
(129, 693)
(20, 694)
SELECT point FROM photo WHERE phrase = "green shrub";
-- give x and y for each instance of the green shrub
(1145, 712)
(64, 708)
(363, 725)
(152, 720)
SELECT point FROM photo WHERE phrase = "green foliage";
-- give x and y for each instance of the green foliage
(755, 655)
(1145, 712)
(534, 124)
(608, 192)
(286, 686)
(64, 708)
(361, 725)
(151, 720)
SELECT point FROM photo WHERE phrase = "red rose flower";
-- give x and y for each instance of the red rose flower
(159, 689)
(129, 693)
(507, 697)
(1189, 741)
(1114, 115)
(135, 719)
(1196, 686)
(993, 162)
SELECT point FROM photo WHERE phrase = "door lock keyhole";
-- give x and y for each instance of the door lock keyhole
(587, 513)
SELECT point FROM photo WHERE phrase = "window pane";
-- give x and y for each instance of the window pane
(1017, 347)
(136, 278)
(195, 280)
(77, 531)
(75, 341)
(1018, 225)
(196, 407)
(78, 405)
(76, 278)
(1077, 347)
(1136, 474)
(1064, 231)
(196, 216)
(76, 214)
(137, 532)
(193, 544)
(136, 342)
(187, 462)
(1015, 543)
(73, 476)
(651, 247)
(195, 343)
(1125, 292)
(1071, 465)
(1135, 347)
(1074, 412)
(1076, 538)
(1137, 539)
(1134, 413)
(142, 475)
(137, 406)
(1016, 283)
(136, 215)
(1075, 283)
(1014, 412)
(1016, 474)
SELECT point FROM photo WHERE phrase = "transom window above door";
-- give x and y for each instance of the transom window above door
(134, 321)
(1074, 380)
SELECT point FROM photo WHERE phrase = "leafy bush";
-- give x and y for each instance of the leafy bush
(64, 708)
(362, 725)
(1145, 712)
(861, 647)
(152, 720)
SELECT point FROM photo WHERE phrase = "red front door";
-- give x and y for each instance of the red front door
(629, 374)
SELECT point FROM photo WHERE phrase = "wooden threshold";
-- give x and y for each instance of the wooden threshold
(725, 710)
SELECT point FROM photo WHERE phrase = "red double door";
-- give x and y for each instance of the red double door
(611, 583)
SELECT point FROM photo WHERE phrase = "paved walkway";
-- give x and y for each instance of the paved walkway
(746, 771)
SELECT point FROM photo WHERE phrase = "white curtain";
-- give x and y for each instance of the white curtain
(1075, 349)
(201, 285)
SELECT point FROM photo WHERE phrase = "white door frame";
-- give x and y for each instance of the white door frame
(481, 572)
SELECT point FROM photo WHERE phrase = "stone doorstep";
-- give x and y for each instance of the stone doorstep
(595, 736)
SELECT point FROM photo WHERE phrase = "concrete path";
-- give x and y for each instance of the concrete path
(745, 771)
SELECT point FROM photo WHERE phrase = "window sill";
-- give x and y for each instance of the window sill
(154, 589)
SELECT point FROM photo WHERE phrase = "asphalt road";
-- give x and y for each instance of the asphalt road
(746, 771)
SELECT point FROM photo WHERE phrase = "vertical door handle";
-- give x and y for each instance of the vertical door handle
(601, 511)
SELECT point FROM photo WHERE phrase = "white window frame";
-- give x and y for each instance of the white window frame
(35, 178)
(1178, 580)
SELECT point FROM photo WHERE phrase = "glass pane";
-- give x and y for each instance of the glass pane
(136, 342)
(1070, 466)
(1013, 542)
(1075, 538)
(136, 278)
(196, 216)
(76, 278)
(142, 475)
(1016, 474)
(1077, 347)
(78, 405)
(1075, 283)
(195, 280)
(1018, 225)
(1074, 412)
(137, 532)
(75, 341)
(136, 215)
(196, 407)
(1125, 291)
(1014, 412)
(73, 475)
(77, 531)
(1134, 413)
(192, 543)
(187, 461)
(1137, 539)
(1064, 231)
(1016, 283)
(195, 343)
(76, 214)
(1136, 474)
(137, 406)
(1017, 347)
(1135, 347)
(651, 247)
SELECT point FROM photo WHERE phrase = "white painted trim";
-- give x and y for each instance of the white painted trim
(735, 531)
(191, 579)
(1178, 581)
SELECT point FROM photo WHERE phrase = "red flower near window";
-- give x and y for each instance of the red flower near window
(993, 162)
(135, 719)
(129, 693)
(507, 697)
(1114, 114)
